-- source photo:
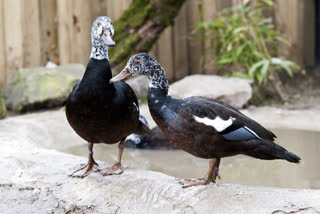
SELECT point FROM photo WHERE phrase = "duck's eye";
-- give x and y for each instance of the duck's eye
(98, 24)
(137, 62)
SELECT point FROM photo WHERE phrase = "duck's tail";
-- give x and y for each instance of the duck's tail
(268, 150)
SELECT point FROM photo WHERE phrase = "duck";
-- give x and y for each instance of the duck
(202, 126)
(156, 140)
(100, 111)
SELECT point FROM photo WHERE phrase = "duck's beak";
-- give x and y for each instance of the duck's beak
(124, 74)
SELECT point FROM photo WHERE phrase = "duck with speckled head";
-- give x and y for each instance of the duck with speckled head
(202, 126)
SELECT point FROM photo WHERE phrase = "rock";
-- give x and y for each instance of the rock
(30, 160)
(139, 85)
(31, 163)
(40, 88)
(234, 91)
(3, 109)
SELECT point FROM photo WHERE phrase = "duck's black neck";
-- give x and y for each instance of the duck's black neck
(98, 71)
(158, 86)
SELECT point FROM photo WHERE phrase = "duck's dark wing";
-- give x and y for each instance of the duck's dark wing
(129, 94)
(226, 120)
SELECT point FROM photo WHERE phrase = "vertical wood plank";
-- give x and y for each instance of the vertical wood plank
(307, 27)
(225, 4)
(235, 2)
(210, 11)
(126, 4)
(180, 32)
(117, 9)
(98, 8)
(154, 51)
(49, 33)
(3, 57)
(31, 33)
(110, 9)
(81, 31)
(64, 11)
(195, 46)
(13, 35)
(165, 52)
(286, 13)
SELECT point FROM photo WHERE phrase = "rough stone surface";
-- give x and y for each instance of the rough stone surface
(34, 179)
(3, 110)
(38, 88)
(234, 91)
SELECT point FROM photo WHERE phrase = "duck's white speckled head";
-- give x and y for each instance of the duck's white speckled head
(144, 64)
(102, 33)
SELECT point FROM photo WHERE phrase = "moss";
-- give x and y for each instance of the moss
(124, 50)
(147, 45)
(127, 26)
(134, 16)
(3, 109)
(40, 88)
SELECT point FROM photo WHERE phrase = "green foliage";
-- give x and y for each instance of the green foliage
(244, 39)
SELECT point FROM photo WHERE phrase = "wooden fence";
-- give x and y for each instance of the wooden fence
(33, 32)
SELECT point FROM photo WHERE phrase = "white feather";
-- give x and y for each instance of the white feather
(252, 132)
(217, 123)
(135, 105)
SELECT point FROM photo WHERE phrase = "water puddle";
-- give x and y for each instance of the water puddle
(238, 169)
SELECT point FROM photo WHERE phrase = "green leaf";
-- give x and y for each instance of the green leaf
(240, 75)
(268, 2)
(264, 70)
(240, 49)
(254, 67)
(225, 61)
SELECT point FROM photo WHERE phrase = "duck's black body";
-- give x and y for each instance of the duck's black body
(101, 112)
(202, 126)
(176, 119)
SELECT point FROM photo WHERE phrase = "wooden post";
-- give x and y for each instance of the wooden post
(65, 41)
(81, 31)
(30, 33)
(165, 52)
(180, 35)
(195, 46)
(286, 13)
(110, 10)
(210, 10)
(98, 8)
(307, 26)
(13, 35)
(49, 32)
(3, 57)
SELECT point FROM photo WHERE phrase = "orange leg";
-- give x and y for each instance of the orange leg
(117, 165)
(210, 177)
(89, 166)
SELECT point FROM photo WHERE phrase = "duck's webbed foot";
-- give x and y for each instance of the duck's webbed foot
(117, 166)
(89, 167)
(194, 182)
(112, 170)
(92, 164)
(210, 177)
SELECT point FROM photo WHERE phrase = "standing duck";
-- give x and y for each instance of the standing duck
(100, 111)
(202, 126)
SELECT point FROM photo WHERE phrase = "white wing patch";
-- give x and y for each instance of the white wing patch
(135, 105)
(217, 123)
(252, 132)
